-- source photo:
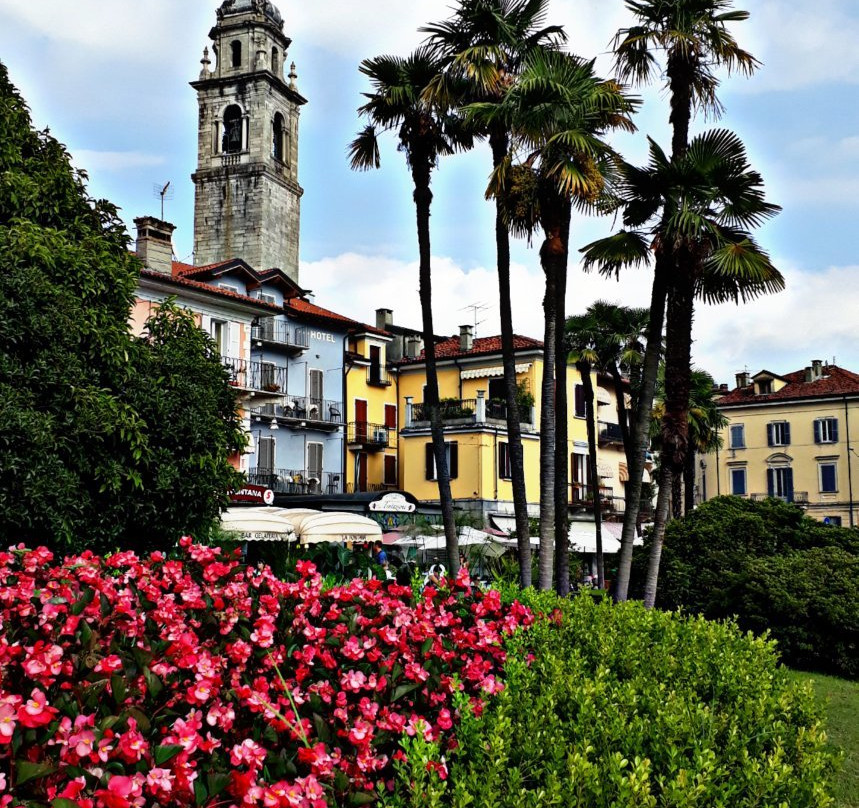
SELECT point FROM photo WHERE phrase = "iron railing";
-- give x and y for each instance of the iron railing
(377, 376)
(297, 481)
(496, 409)
(451, 409)
(609, 433)
(304, 408)
(372, 436)
(357, 488)
(280, 333)
(249, 375)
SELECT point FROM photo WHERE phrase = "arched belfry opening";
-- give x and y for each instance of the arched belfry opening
(231, 143)
(275, 62)
(236, 53)
(278, 131)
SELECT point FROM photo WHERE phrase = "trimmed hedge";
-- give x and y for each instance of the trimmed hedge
(619, 706)
(773, 569)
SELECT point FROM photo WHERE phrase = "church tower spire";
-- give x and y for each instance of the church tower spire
(247, 196)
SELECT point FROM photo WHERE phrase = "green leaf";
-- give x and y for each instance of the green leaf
(83, 601)
(26, 771)
(402, 690)
(119, 687)
(361, 798)
(61, 802)
(216, 783)
(200, 793)
(164, 753)
(153, 683)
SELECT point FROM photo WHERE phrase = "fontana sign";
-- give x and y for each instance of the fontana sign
(392, 503)
(253, 495)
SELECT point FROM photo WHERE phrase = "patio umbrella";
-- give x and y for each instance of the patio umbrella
(257, 524)
(337, 527)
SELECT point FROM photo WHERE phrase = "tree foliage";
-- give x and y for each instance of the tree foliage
(88, 422)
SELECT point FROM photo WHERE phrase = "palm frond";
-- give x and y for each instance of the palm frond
(364, 150)
(611, 254)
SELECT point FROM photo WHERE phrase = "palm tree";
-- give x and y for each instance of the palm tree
(483, 44)
(697, 210)
(693, 36)
(425, 133)
(557, 110)
(583, 341)
(705, 424)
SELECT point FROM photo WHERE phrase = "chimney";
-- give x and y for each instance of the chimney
(154, 244)
(817, 368)
(384, 319)
(809, 374)
(413, 347)
(743, 379)
(466, 337)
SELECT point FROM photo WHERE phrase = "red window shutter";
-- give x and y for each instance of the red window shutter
(391, 416)
(390, 470)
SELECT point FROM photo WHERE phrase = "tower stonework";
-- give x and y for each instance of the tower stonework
(247, 196)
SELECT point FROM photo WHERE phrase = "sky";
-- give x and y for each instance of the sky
(110, 80)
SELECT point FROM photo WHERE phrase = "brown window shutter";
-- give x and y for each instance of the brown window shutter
(453, 471)
(430, 462)
(390, 470)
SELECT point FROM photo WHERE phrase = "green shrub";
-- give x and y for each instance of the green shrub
(621, 706)
(771, 567)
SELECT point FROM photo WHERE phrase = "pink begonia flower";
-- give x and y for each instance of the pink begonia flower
(36, 712)
(8, 715)
(109, 664)
(161, 779)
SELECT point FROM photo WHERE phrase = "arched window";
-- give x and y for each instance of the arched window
(232, 141)
(236, 49)
(278, 144)
(275, 62)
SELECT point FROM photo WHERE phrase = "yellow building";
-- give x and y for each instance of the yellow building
(790, 437)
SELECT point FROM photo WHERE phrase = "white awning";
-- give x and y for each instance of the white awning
(603, 396)
(504, 523)
(493, 372)
(257, 524)
(336, 526)
(583, 537)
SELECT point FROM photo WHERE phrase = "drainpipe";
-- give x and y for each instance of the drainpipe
(719, 474)
(345, 453)
(849, 465)
(459, 369)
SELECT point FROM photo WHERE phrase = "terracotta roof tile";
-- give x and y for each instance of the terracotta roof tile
(304, 308)
(836, 382)
(449, 348)
(207, 287)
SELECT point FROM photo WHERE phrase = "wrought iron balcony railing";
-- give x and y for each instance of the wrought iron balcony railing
(280, 333)
(609, 433)
(304, 408)
(257, 376)
(297, 481)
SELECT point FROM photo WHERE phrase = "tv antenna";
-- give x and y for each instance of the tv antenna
(165, 192)
(476, 310)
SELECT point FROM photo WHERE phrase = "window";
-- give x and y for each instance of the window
(278, 141)
(738, 436)
(778, 433)
(314, 461)
(451, 450)
(738, 482)
(275, 62)
(236, 52)
(765, 387)
(581, 477)
(265, 454)
(267, 373)
(228, 287)
(835, 521)
(391, 416)
(827, 474)
(267, 298)
(780, 482)
(220, 333)
(232, 140)
(579, 398)
(390, 470)
(497, 390)
(504, 461)
(826, 430)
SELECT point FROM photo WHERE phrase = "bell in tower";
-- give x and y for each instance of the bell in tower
(247, 196)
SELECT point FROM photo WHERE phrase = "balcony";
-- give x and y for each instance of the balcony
(799, 497)
(609, 434)
(279, 334)
(297, 481)
(496, 410)
(581, 496)
(302, 411)
(452, 409)
(370, 437)
(255, 378)
(356, 488)
(377, 376)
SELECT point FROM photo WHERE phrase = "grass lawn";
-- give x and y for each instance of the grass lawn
(841, 697)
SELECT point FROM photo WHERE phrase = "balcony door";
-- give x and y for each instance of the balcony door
(362, 471)
(265, 455)
(780, 482)
(375, 364)
(361, 428)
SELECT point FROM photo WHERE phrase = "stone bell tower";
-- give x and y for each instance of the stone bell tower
(247, 196)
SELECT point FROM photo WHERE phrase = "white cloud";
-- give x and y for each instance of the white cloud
(814, 318)
(91, 160)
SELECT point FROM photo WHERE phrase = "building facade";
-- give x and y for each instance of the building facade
(792, 437)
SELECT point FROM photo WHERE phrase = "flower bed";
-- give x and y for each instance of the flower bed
(128, 682)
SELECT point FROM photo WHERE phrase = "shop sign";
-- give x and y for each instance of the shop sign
(392, 503)
(253, 494)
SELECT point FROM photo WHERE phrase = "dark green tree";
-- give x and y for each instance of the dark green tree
(180, 389)
(106, 441)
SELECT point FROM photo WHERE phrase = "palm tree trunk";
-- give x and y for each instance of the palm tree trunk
(620, 403)
(675, 421)
(423, 200)
(689, 482)
(640, 432)
(676, 495)
(593, 472)
(499, 145)
(680, 78)
(562, 473)
(658, 536)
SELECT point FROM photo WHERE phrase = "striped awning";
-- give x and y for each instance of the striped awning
(493, 372)
(623, 472)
